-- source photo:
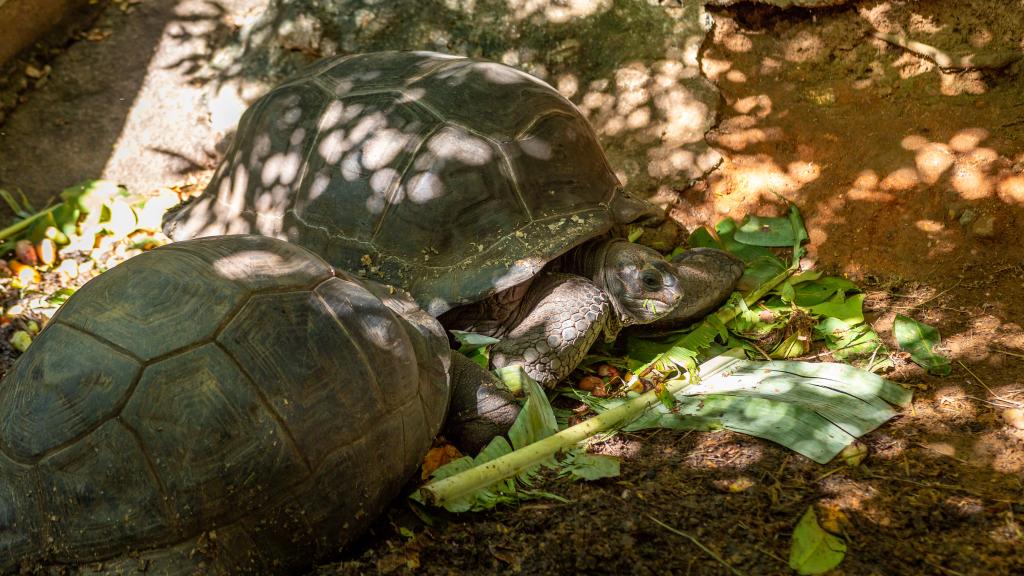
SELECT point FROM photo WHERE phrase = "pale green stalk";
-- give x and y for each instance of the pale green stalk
(22, 224)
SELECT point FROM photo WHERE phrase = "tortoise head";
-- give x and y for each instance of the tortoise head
(642, 285)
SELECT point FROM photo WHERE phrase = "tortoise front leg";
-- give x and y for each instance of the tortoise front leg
(561, 317)
(481, 407)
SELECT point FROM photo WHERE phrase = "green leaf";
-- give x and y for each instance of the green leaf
(796, 222)
(761, 269)
(702, 238)
(475, 347)
(536, 420)
(472, 340)
(90, 196)
(635, 232)
(763, 231)
(814, 551)
(848, 343)
(849, 310)
(815, 409)
(585, 466)
(792, 347)
(726, 229)
(921, 340)
(815, 292)
(60, 296)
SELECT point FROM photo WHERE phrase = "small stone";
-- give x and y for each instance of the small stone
(984, 226)
(967, 216)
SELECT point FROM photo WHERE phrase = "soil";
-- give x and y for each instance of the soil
(911, 182)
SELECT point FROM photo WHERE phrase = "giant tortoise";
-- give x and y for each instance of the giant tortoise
(217, 406)
(459, 180)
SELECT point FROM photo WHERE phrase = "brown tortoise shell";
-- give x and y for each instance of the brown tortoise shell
(450, 177)
(234, 386)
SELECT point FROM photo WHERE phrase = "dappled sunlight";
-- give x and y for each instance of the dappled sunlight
(557, 11)
(631, 67)
(754, 176)
(804, 47)
(649, 105)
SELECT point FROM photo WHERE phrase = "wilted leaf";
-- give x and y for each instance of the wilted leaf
(436, 457)
(921, 340)
(854, 454)
(593, 466)
(814, 551)
(1014, 417)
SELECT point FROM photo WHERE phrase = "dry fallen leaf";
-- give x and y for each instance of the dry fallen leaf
(438, 456)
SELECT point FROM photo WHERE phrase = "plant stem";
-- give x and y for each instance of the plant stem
(489, 473)
(706, 550)
(24, 223)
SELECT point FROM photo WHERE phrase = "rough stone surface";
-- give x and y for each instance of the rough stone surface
(124, 107)
(783, 3)
(630, 66)
(151, 103)
(22, 22)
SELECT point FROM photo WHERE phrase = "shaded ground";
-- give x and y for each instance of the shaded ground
(911, 181)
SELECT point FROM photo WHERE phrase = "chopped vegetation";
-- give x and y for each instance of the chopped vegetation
(816, 409)
(49, 253)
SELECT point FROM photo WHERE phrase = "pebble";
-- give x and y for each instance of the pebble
(984, 226)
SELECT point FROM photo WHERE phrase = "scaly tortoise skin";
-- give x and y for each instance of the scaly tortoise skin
(221, 405)
(458, 180)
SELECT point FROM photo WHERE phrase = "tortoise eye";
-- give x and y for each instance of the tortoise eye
(651, 279)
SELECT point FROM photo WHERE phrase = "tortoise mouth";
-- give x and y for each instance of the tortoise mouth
(643, 310)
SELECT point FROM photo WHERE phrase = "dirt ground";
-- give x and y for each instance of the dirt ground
(911, 180)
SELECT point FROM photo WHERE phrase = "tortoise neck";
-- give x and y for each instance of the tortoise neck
(588, 260)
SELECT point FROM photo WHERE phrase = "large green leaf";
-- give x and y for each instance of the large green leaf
(921, 340)
(815, 409)
(814, 551)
